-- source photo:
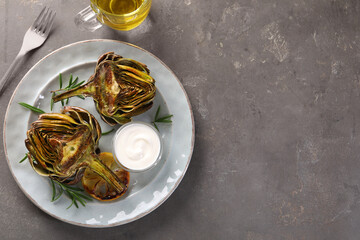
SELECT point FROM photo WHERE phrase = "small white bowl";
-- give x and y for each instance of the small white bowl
(124, 161)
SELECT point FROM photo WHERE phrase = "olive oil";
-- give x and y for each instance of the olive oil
(119, 6)
(121, 14)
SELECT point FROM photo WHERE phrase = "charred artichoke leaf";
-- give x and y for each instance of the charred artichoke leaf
(121, 88)
(61, 146)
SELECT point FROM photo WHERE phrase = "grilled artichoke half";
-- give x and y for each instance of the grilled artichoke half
(121, 88)
(62, 146)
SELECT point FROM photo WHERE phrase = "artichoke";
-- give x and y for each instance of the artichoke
(62, 146)
(121, 88)
(97, 187)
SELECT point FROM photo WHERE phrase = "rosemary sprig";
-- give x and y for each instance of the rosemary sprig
(55, 196)
(32, 108)
(164, 119)
(23, 159)
(73, 83)
(106, 133)
(71, 78)
(69, 85)
(81, 96)
(74, 193)
(76, 85)
(157, 112)
(60, 80)
(52, 102)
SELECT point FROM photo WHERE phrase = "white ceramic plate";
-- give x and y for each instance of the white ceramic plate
(147, 190)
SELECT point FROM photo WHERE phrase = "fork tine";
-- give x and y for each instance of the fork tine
(42, 22)
(45, 21)
(39, 18)
(49, 23)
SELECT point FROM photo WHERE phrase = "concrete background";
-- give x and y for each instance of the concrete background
(275, 90)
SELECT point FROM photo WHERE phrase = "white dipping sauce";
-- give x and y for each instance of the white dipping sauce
(137, 146)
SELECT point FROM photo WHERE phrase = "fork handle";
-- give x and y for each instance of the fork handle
(9, 73)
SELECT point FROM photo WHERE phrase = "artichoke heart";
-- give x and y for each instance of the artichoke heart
(62, 146)
(121, 88)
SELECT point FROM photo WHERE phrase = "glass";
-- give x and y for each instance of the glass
(114, 14)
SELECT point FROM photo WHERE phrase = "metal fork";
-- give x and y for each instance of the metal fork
(34, 38)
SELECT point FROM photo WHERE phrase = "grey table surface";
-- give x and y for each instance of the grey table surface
(275, 91)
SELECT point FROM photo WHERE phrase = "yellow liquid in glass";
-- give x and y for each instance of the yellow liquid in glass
(120, 15)
(119, 6)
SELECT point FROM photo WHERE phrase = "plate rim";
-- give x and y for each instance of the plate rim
(133, 218)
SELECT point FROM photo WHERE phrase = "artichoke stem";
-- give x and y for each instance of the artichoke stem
(72, 93)
(99, 168)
